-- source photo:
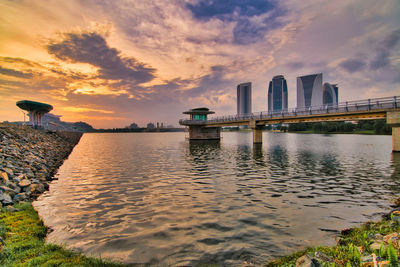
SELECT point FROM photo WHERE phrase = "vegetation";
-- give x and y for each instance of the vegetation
(354, 247)
(22, 242)
(364, 127)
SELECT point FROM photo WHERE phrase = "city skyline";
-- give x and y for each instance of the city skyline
(113, 63)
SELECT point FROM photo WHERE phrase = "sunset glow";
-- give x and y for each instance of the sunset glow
(111, 63)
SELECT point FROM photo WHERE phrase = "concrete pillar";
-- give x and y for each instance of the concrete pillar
(396, 139)
(257, 135)
(393, 119)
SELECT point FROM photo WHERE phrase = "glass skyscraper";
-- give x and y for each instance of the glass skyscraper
(309, 90)
(277, 94)
(331, 94)
(244, 98)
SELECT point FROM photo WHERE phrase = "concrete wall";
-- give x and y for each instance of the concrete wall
(72, 137)
(204, 133)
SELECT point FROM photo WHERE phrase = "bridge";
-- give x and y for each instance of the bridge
(369, 109)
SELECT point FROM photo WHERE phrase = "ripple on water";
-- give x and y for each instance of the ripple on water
(156, 199)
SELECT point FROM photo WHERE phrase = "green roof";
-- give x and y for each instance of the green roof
(199, 111)
(34, 106)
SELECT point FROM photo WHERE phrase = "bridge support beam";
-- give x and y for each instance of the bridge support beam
(393, 119)
(257, 132)
(257, 135)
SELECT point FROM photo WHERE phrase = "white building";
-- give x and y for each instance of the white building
(309, 90)
(244, 98)
(331, 94)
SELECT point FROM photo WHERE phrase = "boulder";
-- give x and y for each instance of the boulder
(7, 190)
(7, 200)
(4, 176)
(24, 183)
(376, 245)
(36, 188)
(9, 171)
(307, 261)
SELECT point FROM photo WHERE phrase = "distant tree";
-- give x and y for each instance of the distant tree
(365, 125)
(380, 127)
(317, 127)
(150, 125)
(349, 127)
(133, 126)
(82, 126)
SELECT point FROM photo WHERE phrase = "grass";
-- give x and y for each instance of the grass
(23, 235)
(353, 244)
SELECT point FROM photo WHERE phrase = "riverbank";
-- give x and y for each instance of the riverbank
(28, 161)
(369, 245)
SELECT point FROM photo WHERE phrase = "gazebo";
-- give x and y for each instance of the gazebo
(35, 111)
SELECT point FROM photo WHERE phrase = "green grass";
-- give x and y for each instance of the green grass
(347, 251)
(24, 243)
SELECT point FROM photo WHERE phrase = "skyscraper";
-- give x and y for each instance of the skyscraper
(277, 94)
(244, 98)
(309, 90)
(331, 94)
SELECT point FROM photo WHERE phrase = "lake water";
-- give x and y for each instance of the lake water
(155, 198)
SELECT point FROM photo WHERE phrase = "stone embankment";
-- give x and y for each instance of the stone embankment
(28, 160)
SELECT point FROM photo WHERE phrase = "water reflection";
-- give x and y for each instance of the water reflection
(156, 199)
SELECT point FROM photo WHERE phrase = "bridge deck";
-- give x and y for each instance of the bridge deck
(346, 111)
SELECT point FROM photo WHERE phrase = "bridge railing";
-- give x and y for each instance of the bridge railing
(342, 107)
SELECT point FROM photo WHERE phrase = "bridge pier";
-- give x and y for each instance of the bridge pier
(393, 119)
(257, 135)
(257, 132)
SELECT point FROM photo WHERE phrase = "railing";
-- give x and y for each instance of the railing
(342, 107)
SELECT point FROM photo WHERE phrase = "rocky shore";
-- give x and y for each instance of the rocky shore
(29, 159)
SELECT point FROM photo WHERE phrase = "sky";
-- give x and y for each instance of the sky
(114, 62)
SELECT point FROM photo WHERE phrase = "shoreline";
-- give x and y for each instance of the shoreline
(28, 161)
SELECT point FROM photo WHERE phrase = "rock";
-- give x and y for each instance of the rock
(14, 187)
(36, 188)
(307, 261)
(20, 197)
(7, 190)
(376, 245)
(7, 200)
(24, 183)
(35, 181)
(393, 238)
(396, 212)
(9, 171)
(323, 257)
(366, 259)
(4, 176)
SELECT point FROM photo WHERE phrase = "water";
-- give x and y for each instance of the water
(154, 198)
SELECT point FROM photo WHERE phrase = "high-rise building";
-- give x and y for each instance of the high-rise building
(277, 94)
(244, 98)
(309, 90)
(330, 94)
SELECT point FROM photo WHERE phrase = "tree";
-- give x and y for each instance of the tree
(150, 125)
(133, 126)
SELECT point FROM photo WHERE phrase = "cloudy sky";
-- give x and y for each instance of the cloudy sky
(114, 62)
